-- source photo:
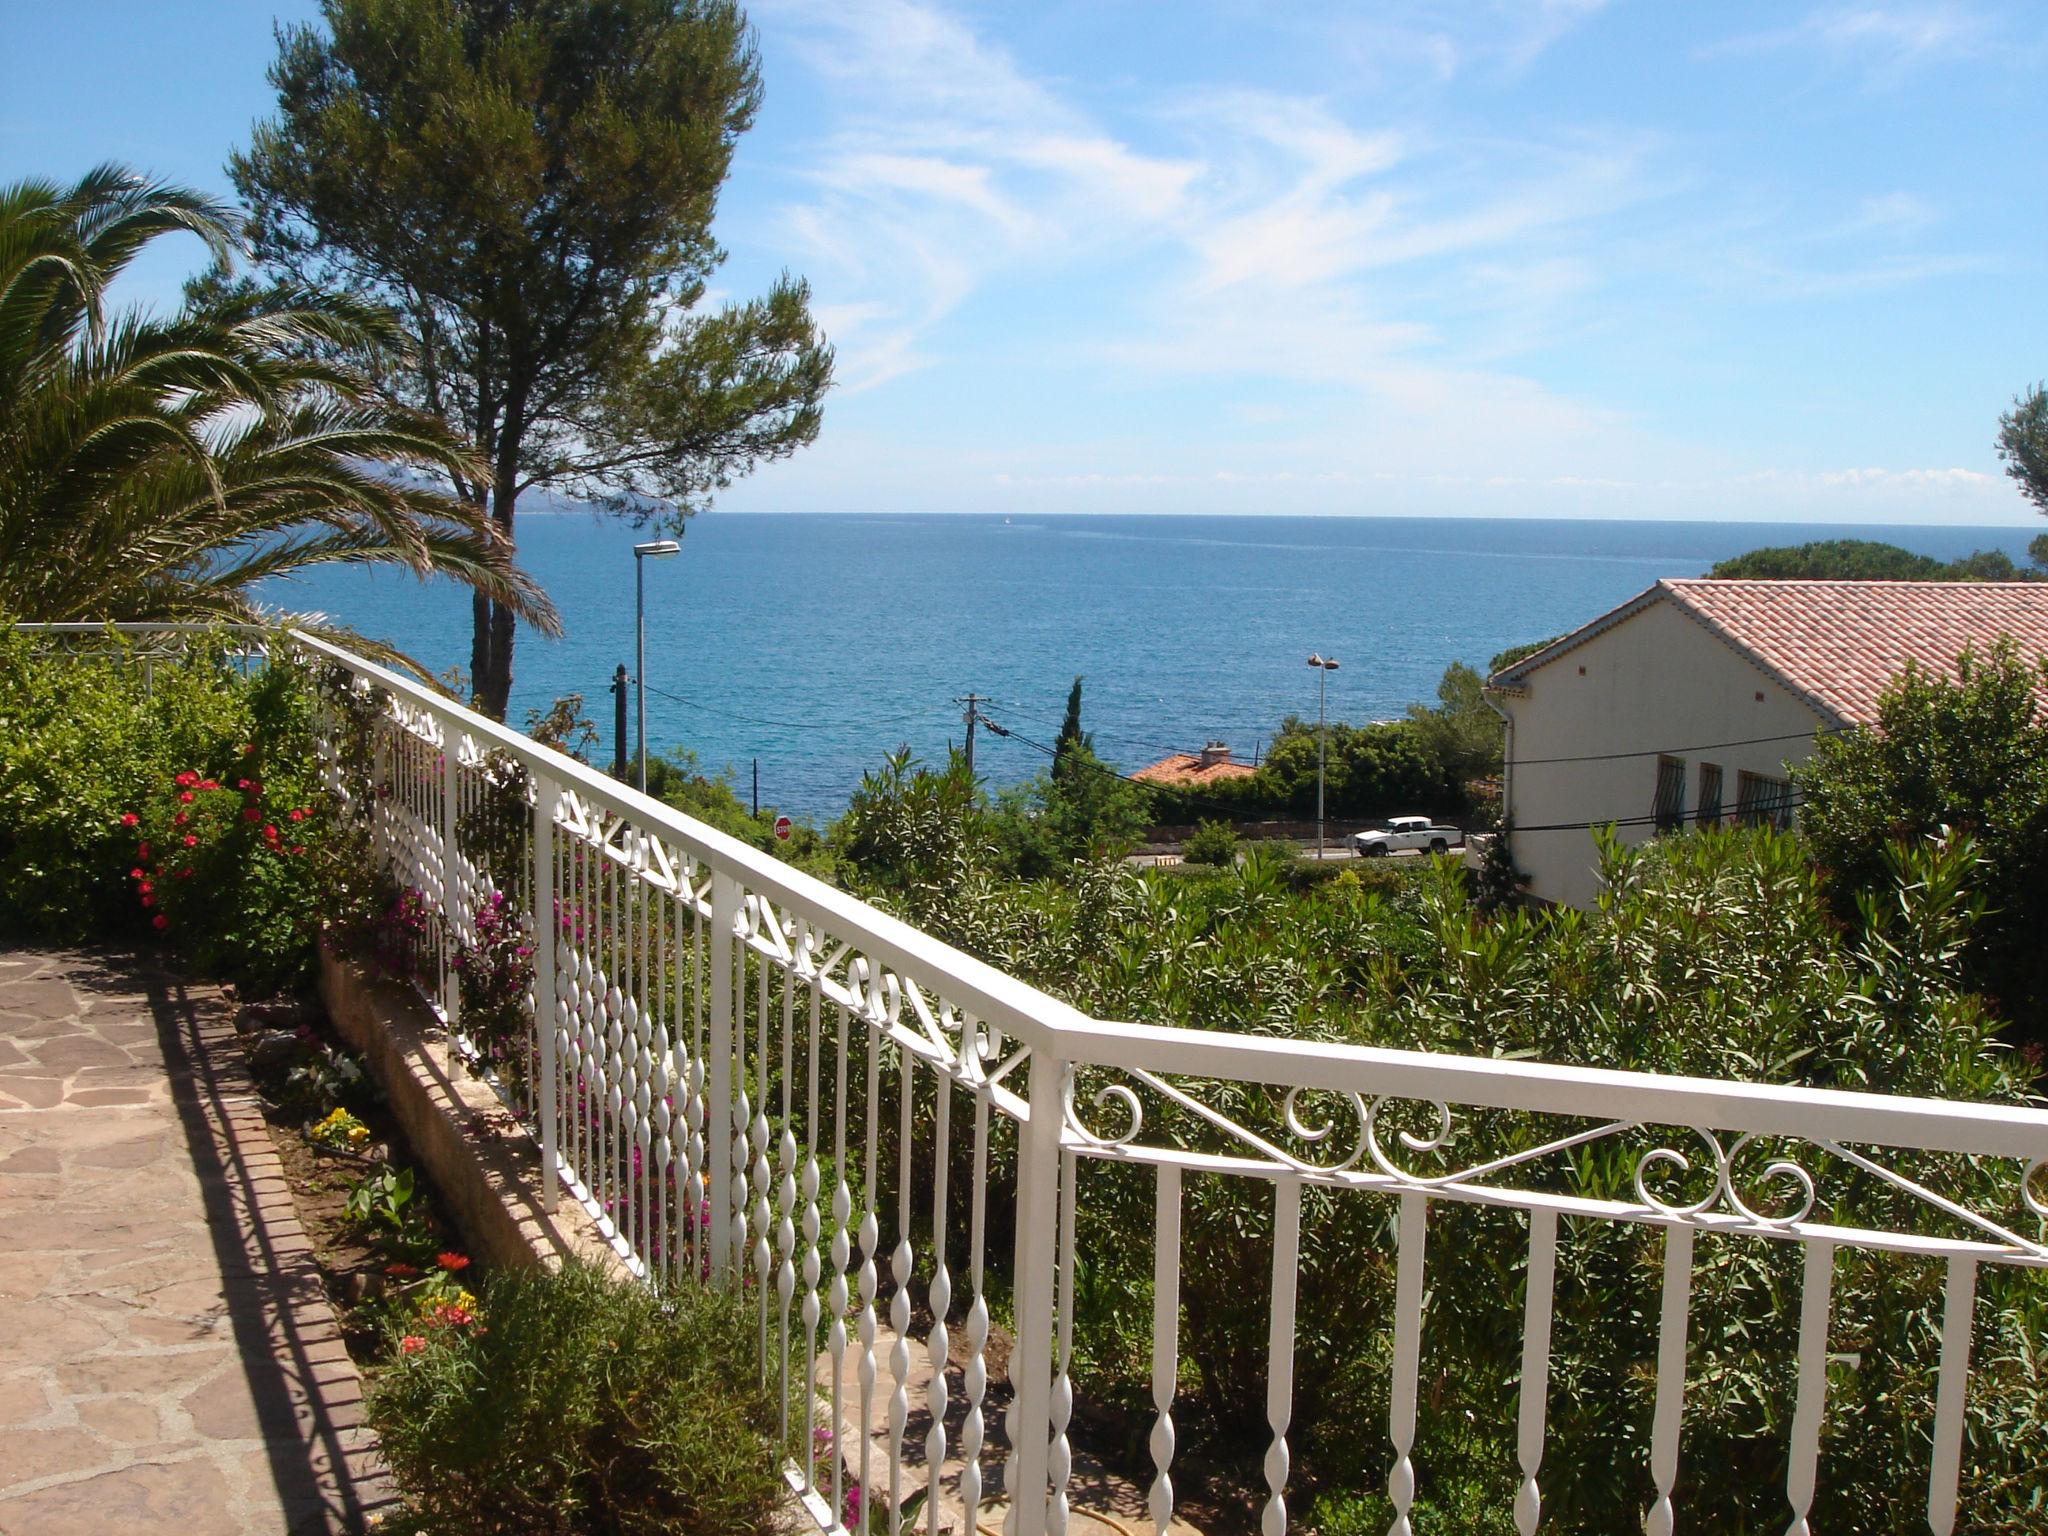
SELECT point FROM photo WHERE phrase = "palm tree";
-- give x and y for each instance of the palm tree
(157, 469)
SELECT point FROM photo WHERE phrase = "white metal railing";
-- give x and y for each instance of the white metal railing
(749, 1077)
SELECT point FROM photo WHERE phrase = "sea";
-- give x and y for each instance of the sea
(804, 648)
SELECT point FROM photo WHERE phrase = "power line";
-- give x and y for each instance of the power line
(1711, 746)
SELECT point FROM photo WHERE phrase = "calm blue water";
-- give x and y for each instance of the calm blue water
(818, 643)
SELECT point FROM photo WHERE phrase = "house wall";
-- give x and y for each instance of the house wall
(1654, 682)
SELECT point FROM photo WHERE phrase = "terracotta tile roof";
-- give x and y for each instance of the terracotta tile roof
(1842, 642)
(1187, 768)
(1838, 644)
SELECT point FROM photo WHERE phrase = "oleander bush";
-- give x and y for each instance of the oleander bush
(173, 799)
(582, 1406)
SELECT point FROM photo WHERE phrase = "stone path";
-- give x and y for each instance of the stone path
(168, 1359)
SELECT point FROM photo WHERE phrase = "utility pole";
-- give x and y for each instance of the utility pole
(757, 786)
(973, 715)
(619, 722)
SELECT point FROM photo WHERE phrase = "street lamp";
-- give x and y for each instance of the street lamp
(654, 549)
(1324, 666)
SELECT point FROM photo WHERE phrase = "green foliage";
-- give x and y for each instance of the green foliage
(1863, 560)
(678, 779)
(586, 1407)
(1462, 734)
(531, 188)
(1514, 653)
(1969, 753)
(158, 467)
(2023, 444)
(125, 807)
(1213, 842)
(1714, 954)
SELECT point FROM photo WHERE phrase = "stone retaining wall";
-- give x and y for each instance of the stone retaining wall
(485, 1167)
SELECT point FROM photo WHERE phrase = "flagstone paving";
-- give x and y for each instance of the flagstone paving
(168, 1358)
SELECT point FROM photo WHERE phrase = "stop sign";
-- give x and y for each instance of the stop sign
(782, 828)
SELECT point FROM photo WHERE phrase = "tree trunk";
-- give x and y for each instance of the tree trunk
(490, 645)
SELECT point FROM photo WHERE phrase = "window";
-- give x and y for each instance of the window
(1710, 794)
(1670, 806)
(1761, 800)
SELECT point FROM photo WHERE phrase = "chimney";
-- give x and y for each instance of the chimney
(1215, 752)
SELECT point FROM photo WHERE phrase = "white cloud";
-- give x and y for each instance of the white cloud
(1887, 41)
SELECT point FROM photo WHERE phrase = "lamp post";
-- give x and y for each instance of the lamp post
(654, 549)
(1324, 666)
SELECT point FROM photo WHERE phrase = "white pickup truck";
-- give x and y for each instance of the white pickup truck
(1406, 832)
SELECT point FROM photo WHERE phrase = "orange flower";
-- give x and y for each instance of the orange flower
(400, 1270)
(453, 1261)
(411, 1344)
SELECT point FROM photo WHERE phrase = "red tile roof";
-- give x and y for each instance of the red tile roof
(1185, 768)
(1840, 643)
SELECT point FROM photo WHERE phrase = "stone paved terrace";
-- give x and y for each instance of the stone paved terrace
(168, 1358)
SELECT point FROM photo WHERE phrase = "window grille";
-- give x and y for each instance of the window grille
(1670, 807)
(1761, 800)
(1710, 794)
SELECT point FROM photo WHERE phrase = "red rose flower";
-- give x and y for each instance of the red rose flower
(298, 847)
(252, 814)
(298, 816)
(185, 797)
(160, 922)
(130, 819)
(149, 901)
(134, 874)
(184, 874)
(145, 887)
(186, 779)
(191, 841)
(142, 850)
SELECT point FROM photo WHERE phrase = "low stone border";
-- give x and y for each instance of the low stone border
(485, 1168)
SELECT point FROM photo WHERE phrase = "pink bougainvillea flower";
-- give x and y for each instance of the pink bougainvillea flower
(130, 819)
(411, 1344)
(160, 922)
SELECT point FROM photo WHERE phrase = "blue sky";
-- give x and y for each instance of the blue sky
(1557, 258)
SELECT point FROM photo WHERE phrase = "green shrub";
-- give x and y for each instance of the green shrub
(582, 1405)
(1213, 842)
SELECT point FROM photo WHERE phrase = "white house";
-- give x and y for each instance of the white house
(1689, 702)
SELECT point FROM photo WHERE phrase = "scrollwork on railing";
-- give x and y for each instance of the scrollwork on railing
(1726, 1190)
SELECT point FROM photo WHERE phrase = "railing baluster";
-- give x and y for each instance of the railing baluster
(1037, 1261)
(1059, 1462)
(785, 1187)
(813, 1270)
(1535, 1393)
(718, 1096)
(939, 1292)
(762, 1259)
(547, 1007)
(1811, 1402)
(1956, 1325)
(1668, 1417)
(1280, 1351)
(899, 1299)
(975, 1377)
(1165, 1339)
(842, 1262)
(870, 1238)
